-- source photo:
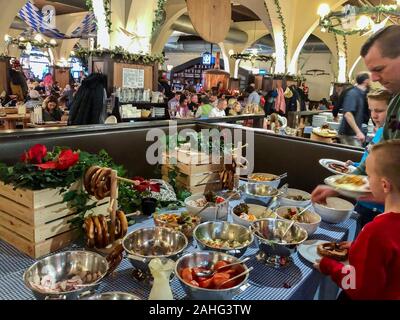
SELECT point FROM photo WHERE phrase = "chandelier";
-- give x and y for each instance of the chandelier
(354, 20)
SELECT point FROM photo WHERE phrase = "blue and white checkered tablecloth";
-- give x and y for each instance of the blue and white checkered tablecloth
(297, 281)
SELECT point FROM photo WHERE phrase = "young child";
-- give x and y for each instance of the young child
(375, 254)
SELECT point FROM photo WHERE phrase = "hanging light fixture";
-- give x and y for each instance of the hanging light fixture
(353, 20)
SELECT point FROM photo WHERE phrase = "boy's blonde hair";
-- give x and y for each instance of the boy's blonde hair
(380, 95)
(388, 164)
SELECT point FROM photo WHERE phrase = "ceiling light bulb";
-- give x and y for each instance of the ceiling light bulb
(7, 38)
(231, 52)
(323, 10)
(21, 39)
(53, 42)
(363, 22)
(323, 29)
(38, 37)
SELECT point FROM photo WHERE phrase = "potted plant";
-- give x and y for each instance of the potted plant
(146, 189)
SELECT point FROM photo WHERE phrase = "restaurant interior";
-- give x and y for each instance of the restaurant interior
(199, 150)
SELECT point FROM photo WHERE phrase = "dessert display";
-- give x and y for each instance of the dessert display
(332, 250)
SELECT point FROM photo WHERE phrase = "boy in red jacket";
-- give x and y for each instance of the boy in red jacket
(374, 271)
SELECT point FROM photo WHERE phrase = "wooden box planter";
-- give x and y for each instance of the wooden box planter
(37, 222)
(196, 173)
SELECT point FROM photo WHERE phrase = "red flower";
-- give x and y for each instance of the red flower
(65, 160)
(35, 154)
(143, 185)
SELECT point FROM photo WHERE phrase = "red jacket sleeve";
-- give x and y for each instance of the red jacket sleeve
(366, 277)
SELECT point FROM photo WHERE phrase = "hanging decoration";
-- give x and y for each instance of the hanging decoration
(119, 54)
(284, 31)
(316, 72)
(27, 44)
(252, 57)
(160, 16)
(354, 20)
(107, 9)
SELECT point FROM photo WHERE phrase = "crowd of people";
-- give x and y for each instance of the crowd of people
(212, 104)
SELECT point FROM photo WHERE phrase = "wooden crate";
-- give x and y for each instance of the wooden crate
(37, 222)
(195, 172)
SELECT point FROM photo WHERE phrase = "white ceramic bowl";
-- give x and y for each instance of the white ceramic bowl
(294, 203)
(274, 183)
(254, 209)
(208, 214)
(309, 227)
(336, 210)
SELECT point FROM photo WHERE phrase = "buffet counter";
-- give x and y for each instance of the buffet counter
(276, 154)
(298, 281)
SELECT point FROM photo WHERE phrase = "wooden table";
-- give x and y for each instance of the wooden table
(10, 120)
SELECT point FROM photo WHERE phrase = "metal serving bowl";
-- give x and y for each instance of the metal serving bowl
(113, 296)
(224, 231)
(207, 258)
(145, 244)
(269, 231)
(259, 192)
(60, 266)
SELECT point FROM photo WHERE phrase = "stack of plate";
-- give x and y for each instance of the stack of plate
(334, 125)
(159, 112)
(319, 121)
(328, 115)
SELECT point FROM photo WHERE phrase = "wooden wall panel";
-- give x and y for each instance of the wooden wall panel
(3, 76)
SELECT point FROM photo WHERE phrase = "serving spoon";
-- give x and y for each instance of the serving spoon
(211, 272)
(236, 277)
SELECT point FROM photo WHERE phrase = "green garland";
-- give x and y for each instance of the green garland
(332, 21)
(22, 44)
(252, 57)
(107, 9)
(121, 55)
(159, 16)
(346, 56)
(283, 25)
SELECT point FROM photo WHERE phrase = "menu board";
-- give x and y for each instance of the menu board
(133, 78)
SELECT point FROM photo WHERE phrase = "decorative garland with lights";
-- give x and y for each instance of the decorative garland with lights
(337, 51)
(283, 25)
(22, 44)
(332, 21)
(159, 15)
(107, 9)
(345, 47)
(119, 54)
(252, 57)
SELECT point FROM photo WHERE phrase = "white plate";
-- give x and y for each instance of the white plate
(308, 250)
(349, 190)
(326, 162)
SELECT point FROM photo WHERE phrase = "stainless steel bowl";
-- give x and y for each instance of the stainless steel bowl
(224, 231)
(269, 232)
(60, 267)
(207, 258)
(113, 296)
(258, 192)
(145, 244)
